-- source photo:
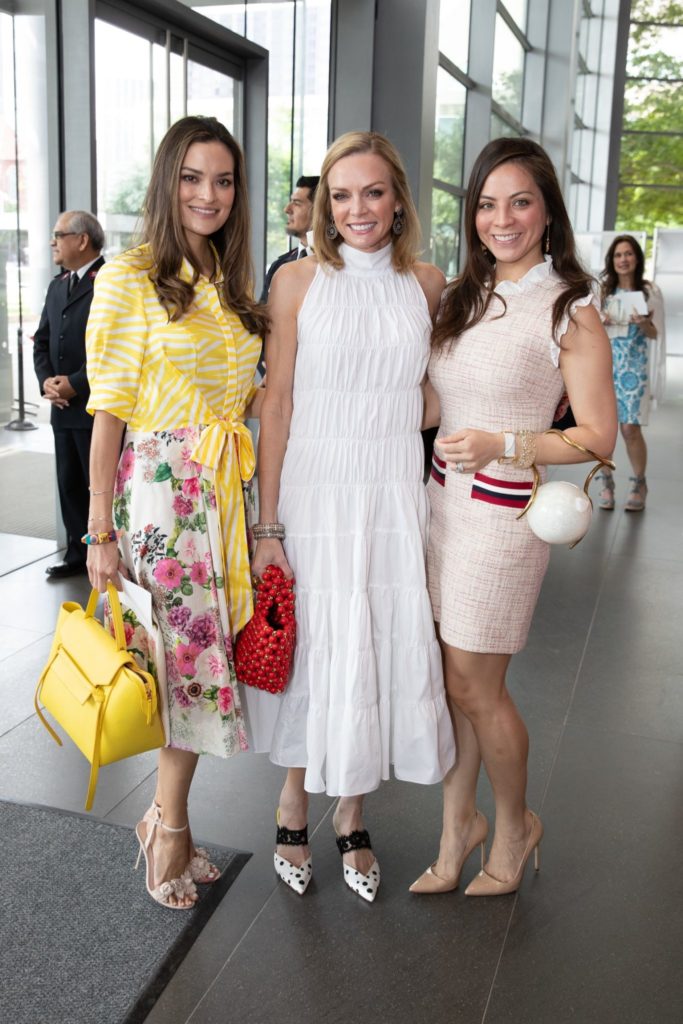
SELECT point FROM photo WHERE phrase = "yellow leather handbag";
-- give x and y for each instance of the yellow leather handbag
(96, 691)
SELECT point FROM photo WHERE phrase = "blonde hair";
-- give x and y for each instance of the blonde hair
(406, 245)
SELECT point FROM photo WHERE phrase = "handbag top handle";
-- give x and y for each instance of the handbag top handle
(116, 613)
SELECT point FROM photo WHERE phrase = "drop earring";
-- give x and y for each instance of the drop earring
(547, 238)
(331, 229)
(399, 223)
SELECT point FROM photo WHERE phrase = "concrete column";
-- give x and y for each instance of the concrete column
(478, 119)
(406, 59)
(560, 76)
(351, 67)
(78, 92)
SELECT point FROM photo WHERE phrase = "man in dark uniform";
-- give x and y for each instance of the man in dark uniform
(59, 361)
(299, 213)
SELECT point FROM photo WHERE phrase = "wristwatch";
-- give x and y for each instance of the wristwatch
(510, 444)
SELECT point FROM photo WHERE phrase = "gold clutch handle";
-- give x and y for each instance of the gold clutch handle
(599, 462)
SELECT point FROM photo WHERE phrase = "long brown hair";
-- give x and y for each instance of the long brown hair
(609, 279)
(163, 229)
(468, 297)
(405, 245)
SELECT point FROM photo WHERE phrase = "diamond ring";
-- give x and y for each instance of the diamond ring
(459, 467)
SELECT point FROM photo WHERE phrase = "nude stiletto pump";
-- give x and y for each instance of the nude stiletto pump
(430, 883)
(485, 884)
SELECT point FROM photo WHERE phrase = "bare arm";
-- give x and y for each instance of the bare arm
(432, 282)
(287, 292)
(105, 447)
(586, 364)
(431, 415)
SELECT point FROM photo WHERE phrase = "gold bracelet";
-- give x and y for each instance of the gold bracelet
(525, 449)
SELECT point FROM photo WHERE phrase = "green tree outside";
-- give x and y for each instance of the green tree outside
(653, 106)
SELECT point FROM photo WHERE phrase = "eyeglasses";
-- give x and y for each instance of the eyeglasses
(56, 235)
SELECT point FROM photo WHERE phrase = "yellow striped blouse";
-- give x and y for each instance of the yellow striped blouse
(198, 371)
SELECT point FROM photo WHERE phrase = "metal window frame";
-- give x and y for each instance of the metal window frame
(521, 35)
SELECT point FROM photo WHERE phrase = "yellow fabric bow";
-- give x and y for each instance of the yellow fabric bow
(226, 447)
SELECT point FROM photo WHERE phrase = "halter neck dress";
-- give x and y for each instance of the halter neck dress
(366, 689)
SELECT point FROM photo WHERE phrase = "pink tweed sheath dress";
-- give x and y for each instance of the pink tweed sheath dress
(485, 567)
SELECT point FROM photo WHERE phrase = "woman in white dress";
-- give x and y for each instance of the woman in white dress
(340, 481)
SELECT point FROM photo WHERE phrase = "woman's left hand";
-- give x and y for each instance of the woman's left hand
(468, 451)
(644, 323)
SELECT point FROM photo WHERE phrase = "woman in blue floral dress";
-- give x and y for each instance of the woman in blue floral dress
(631, 334)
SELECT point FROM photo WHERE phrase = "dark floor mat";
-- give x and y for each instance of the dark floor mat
(81, 940)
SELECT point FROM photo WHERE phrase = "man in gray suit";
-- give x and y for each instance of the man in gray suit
(59, 361)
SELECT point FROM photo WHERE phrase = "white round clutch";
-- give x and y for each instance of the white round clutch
(561, 513)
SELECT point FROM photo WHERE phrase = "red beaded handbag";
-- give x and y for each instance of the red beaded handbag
(264, 649)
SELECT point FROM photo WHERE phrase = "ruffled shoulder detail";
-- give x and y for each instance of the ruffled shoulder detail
(585, 300)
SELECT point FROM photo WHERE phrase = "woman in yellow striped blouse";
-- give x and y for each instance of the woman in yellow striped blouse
(172, 345)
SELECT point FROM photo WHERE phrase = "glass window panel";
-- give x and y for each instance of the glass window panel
(655, 51)
(451, 97)
(125, 144)
(454, 31)
(642, 209)
(177, 87)
(500, 128)
(652, 159)
(298, 91)
(517, 10)
(579, 99)
(653, 106)
(445, 240)
(159, 77)
(271, 25)
(26, 265)
(232, 16)
(508, 69)
(211, 93)
(311, 85)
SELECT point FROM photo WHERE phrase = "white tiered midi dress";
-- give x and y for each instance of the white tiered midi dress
(366, 689)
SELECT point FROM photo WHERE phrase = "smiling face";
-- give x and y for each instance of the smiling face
(299, 212)
(206, 192)
(511, 220)
(363, 201)
(625, 262)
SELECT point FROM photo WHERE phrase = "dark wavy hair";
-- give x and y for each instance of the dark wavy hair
(163, 229)
(609, 279)
(469, 296)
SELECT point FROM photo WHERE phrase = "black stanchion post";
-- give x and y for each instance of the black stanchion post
(21, 423)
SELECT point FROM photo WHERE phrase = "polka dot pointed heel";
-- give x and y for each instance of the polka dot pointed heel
(295, 876)
(365, 885)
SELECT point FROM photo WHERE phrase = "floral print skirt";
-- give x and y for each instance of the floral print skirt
(630, 369)
(165, 506)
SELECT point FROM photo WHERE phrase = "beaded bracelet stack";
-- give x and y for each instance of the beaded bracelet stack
(268, 531)
(106, 537)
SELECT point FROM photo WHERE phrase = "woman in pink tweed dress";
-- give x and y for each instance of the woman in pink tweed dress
(517, 328)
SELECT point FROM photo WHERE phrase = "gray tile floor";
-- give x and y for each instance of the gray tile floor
(594, 938)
